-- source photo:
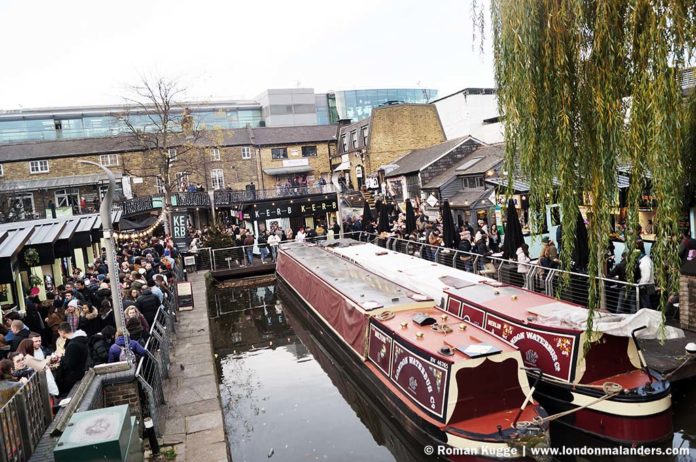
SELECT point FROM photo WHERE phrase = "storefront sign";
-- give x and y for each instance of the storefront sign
(287, 209)
(179, 222)
(295, 162)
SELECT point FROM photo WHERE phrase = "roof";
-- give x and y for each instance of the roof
(294, 135)
(12, 240)
(417, 159)
(58, 182)
(469, 91)
(288, 170)
(24, 151)
(490, 157)
(470, 198)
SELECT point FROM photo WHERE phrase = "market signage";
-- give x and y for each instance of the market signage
(287, 209)
(179, 222)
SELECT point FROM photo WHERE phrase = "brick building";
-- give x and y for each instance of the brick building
(34, 176)
(367, 146)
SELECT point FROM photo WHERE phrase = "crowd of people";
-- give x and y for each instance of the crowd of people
(73, 327)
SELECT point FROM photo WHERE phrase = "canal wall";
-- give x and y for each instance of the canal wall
(193, 425)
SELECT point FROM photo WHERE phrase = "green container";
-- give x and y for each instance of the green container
(108, 434)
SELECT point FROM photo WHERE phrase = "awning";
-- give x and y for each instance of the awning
(344, 166)
(288, 170)
(52, 183)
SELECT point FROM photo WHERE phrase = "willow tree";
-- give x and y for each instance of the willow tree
(588, 86)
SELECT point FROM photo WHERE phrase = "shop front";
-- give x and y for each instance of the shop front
(296, 213)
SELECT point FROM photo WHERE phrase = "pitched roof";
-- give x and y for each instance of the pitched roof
(470, 198)
(115, 144)
(294, 135)
(487, 157)
(415, 160)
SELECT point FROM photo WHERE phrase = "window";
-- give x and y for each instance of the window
(279, 153)
(159, 184)
(354, 138)
(67, 197)
(22, 205)
(472, 182)
(218, 178)
(172, 154)
(246, 152)
(2, 170)
(309, 151)
(365, 132)
(344, 143)
(182, 180)
(38, 166)
(216, 154)
(108, 160)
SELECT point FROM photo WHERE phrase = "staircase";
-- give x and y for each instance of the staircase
(369, 198)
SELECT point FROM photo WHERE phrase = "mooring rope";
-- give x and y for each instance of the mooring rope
(611, 389)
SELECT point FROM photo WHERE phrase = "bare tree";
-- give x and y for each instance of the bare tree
(166, 134)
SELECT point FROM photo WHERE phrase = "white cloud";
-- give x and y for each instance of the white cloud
(85, 52)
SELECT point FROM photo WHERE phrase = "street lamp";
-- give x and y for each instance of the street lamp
(108, 231)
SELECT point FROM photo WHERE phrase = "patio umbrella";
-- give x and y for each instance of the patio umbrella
(378, 207)
(581, 250)
(513, 231)
(449, 234)
(410, 217)
(383, 223)
(367, 214)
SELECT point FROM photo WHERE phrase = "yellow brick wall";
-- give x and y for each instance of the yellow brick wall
(396, 130)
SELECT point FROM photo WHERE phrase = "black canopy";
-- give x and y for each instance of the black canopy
(410, 217)
(513, 232)
(449, 233)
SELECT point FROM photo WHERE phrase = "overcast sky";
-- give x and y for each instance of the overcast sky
(81, 52)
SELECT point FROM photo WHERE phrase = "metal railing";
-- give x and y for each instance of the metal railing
(24, 418)
(573, 287)
(153, 367)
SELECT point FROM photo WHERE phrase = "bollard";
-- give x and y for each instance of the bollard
(185, 275)
(151, 436)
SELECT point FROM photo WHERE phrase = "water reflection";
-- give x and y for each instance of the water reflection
(285, 398)
(278, 402)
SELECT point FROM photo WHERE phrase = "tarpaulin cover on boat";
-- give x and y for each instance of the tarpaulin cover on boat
(347, 320)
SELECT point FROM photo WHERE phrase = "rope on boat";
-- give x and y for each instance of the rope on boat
(385, 316)
(611, 389)
(572, 386)
(444, 328)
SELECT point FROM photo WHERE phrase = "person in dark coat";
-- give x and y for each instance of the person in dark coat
(99, 345)
(20, 332)
(72, 365)
(148, 303)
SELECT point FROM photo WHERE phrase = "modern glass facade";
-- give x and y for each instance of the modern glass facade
(358, 104)
(55, 127)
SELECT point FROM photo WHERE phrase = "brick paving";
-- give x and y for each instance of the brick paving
(193, 419)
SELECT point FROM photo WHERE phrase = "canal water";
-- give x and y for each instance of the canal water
(285, 398)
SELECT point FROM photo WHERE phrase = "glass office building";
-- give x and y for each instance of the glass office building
(63, 124)
(358, 104)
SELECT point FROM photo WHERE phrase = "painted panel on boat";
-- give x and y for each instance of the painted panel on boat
(551, 352)
(472, 314)
(454, 306)
(380, 349)
(423, 381)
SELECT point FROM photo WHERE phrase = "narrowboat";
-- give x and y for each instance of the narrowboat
(458, 390)
(613, 394)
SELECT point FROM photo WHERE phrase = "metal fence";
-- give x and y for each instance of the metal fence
(24, 419)
(617, 296)
(153, 368)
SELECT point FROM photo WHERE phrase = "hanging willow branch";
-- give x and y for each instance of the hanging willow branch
(588, 87)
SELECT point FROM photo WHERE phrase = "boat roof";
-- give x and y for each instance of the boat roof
(367, 290)
(471, 338)
(434, 280)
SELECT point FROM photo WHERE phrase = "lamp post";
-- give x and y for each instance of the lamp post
(108, 231)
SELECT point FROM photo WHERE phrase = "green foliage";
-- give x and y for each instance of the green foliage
(31, 257)
(217, 238)
(588, 86)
